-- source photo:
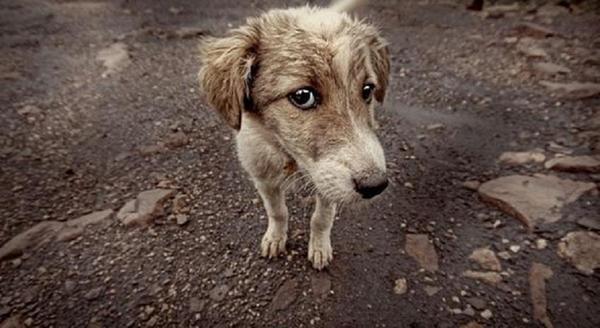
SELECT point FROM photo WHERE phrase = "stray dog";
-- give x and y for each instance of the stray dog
(299, 86)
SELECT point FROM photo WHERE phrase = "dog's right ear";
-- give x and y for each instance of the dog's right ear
(226, 73)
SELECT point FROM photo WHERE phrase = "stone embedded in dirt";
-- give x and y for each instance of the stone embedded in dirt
(573, 90)
(498, 11)
(400, 286)
(431, 290)
(486, 258)
(550, 68)
(151, 150)
(114, 58)
(588, 164)
(197, 305)
(148, 205)
(531, 50)
(34, 237)
(534, 199)
(533, 30)
(486, 314)
(320, 284)
(590, 223)
(29, 110)
(181, 219)
(477, 303)
(472, 324)
(176, 140)
(47, 231)
(471, 185)
(16, 321)
(492, 278)
(523, 157)
(218, 293)
(422, 250)
(93, 294)
(285, 295)
(541, 243)
(435, 126)
(582, 249)
(537, 282)
(188, 32)
(551, 10)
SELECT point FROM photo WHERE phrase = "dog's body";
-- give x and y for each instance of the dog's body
(298, 86)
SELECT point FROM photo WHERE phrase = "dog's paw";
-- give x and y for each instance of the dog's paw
(273, 244)
(320, 252)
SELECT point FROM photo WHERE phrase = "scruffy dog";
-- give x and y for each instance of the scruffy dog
(299, 86)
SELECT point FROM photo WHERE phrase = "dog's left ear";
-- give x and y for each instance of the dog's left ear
(226, 73)
(380, 57)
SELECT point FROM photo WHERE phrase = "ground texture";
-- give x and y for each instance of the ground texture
(100, 106)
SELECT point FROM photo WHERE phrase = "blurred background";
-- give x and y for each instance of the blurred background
(491, 129)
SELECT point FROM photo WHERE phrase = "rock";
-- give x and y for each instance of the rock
(285, 295)
(90, 219)
(588, 164)
(114, 58)
(127, 209)
(431, 290)
(13, 322)
(550, 68)
(514, 248)
(531, 50)
(551, 10)
(498, 11)
(151, 150)
(422, 250)
(537, 282)
(93, 294)
(400, 286)
(176, 140)
(148, 205)
(582, 249)
(218, 293)
(492, 278)
(590, 223)
(471, 185)
(486, 314)
(153, 321)
(519, 158)
(541, 243)
(477, 303)
(181, 219)
(573, 90)
(320, 284)
(504, 255)
(533, 200)
(36, 236)
(472, 324)
(486, 258)
(29, 110)
(435, 126)
(197, 305)
(189, 32)
(533, 30)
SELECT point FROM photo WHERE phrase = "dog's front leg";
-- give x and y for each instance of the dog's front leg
(273, 198)
(320, 252)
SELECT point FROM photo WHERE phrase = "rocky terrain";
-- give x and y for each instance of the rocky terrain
(123, 205)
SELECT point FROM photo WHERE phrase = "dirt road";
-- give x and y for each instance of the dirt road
(100, 103)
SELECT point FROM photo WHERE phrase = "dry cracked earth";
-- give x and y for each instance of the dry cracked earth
(123, 205)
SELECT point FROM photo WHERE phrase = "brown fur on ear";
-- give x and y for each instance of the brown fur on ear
(225, 73)
(381, 67)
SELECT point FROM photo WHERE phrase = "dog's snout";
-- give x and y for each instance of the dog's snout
(371, 185)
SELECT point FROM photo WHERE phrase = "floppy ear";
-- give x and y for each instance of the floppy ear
(226, 73)
(380, 57)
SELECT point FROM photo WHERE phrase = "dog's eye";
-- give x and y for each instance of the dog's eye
(367, 92)
(305, 98)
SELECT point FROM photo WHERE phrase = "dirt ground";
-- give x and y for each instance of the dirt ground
(76, 137)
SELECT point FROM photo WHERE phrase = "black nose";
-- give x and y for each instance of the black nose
(370, 186)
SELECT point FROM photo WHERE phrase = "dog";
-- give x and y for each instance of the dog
(300, 86)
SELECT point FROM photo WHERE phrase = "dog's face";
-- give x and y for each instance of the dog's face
(311, 77)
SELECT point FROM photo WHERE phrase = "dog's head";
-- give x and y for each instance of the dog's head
(311, 77)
